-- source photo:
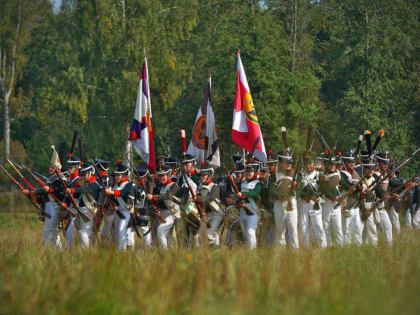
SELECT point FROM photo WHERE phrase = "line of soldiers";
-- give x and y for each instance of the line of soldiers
(333, 199)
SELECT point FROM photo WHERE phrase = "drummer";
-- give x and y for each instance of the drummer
(209, 198)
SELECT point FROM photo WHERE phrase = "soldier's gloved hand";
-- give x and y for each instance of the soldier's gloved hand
(239, 194)
(46, 188)
(149, 197)
(68, 190)
(25, 191)
(109, 192)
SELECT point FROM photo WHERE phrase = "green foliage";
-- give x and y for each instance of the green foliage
(340, 66)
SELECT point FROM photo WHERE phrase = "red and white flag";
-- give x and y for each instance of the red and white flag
(246, 131)
(204, 144)
(141, 132)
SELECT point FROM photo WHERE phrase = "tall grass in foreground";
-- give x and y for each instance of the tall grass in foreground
(365, 280)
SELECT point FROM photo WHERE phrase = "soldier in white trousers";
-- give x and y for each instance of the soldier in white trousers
(366, 221)
(412, 213)
(311, 213)
(348, 183)
(164, 197)
(143, 209)
(282, 190)
(122, 194)
(398, 203)
(87, 193)
(51, 191)
(380, 174)
(247, 197)
(209, 198)
(73, 167)
(331, 208)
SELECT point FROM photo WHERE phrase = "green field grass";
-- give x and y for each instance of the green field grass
(367, 280)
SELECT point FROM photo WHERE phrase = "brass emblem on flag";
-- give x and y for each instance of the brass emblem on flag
(249, 107)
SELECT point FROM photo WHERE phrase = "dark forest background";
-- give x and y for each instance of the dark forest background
(340, 66)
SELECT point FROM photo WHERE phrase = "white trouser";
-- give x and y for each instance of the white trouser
(120, 228)
(386, 226)
(147, 238)
(394, 216)
(357, 226)
(311, 218)
(332, 218)
(349, 235)
(85, 230)
(215, 218)
(51, 229)
(412, 220)
(163, 230)
(408, 220)
(283, 220)
(130, 236)
(70, 232)
(415, 219)
(106, 232)
(249, 227)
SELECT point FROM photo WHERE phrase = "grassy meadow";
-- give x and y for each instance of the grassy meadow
(365, 280)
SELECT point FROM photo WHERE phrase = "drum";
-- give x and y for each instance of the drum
(191, 214)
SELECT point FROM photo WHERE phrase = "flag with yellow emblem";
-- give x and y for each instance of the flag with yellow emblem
(246, 131)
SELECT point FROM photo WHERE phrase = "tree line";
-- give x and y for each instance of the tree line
(340, 66)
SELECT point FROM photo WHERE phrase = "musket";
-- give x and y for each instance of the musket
(36, 205)
(21, 176)
(41, 176)
(23, 166)
(379, 201)
(111, 201)
(323, 142)
(70, 196)
(315, 193)
(407, 185)
(193, 194)
(356, 188)
(402, 164)
(155, 210)
(132, 215)
(383, 178)
(289, 204)
(232, 182)
(58, 201)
